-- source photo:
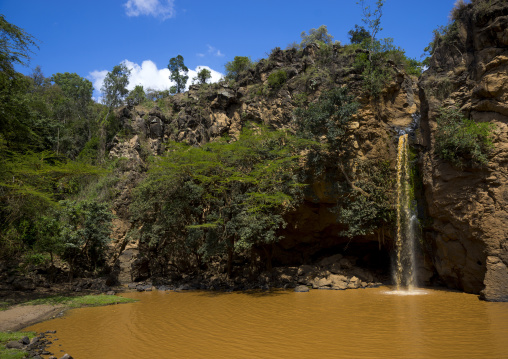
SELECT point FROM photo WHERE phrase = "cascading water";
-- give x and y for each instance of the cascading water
(404, 273)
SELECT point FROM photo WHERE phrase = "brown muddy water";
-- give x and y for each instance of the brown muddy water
(368, 323)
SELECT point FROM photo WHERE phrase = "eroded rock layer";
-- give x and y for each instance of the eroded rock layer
(469, 206)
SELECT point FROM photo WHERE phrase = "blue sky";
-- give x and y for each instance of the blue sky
(90, 37)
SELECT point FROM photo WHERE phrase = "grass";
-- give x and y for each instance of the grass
(10, 336)
(4, 305)
(82, 301)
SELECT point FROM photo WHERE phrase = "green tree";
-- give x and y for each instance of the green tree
(316, 35)
(15, 114)
(222, 199)
(136, 96)
(178, 73)
(203, 76)
(85, 234)
(15, 46)
(115, 84)
(237, 66)
(358, 35)
(75, 87)
(372, 18)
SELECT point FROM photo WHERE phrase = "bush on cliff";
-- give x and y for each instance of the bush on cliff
(365, 187)
(218, 200)
(462, 141)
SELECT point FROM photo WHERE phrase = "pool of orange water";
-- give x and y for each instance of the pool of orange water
(362, 323)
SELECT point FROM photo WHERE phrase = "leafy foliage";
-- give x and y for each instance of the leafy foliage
(30, 187)
(15, 46)
(222, 198)
(372, 18)
(277, 79)
(368, 205)
(316, 35)
(443, 35)
(115, 86)
(85, 234)
(136, 96)
(203, 76)
(374, 65)
(178, 73)
(239, 65)
(364, 187)
(358, 35)
(328, 117)
(462, 141)
(74, 87)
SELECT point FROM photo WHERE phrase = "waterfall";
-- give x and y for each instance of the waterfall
(404, 273)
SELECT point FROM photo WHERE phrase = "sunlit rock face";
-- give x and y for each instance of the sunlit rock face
(469, 206)
(465, 221)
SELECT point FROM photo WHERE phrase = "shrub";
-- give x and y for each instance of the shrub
(462, 141)
(277, 79)
(237, 66)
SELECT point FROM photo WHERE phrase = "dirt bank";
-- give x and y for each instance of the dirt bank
(22, 316)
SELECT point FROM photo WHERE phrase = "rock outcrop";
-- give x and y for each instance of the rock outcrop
(207, 112)
(466, 218)
(469, 206)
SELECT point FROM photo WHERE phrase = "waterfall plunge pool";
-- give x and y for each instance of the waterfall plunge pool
(361, 323)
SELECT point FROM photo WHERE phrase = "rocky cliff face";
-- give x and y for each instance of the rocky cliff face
(469, 206)
(466, 225)
(206, 112)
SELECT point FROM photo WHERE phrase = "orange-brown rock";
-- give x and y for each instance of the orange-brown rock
(469, 206)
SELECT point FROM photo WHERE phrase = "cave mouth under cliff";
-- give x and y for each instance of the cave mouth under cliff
(366, 254)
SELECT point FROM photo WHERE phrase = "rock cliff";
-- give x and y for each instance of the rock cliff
(463, 210)
(468, 206)
(206, 112)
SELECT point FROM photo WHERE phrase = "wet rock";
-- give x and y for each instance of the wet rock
(25, 340)
(354, 283)
(305, 269)
(66, 356)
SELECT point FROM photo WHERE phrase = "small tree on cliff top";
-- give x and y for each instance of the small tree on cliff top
(178, 73)
(373, 20)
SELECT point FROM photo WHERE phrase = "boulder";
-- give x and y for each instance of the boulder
(301, 289)
(354, 283)
(14, 345)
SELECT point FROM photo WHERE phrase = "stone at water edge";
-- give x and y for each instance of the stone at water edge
(66, 356)
(14, 345)
(302, 289)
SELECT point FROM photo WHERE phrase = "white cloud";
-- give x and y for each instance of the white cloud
(97, 78)
(164, 9)
(216, 76)
(212, 50)
(149, 76)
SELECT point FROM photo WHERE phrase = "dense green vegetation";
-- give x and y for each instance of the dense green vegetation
(365, 201)
(52, 136)
(223, 198)
(462, 141)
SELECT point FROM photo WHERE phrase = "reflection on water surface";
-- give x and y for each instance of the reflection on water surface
(319, 324)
